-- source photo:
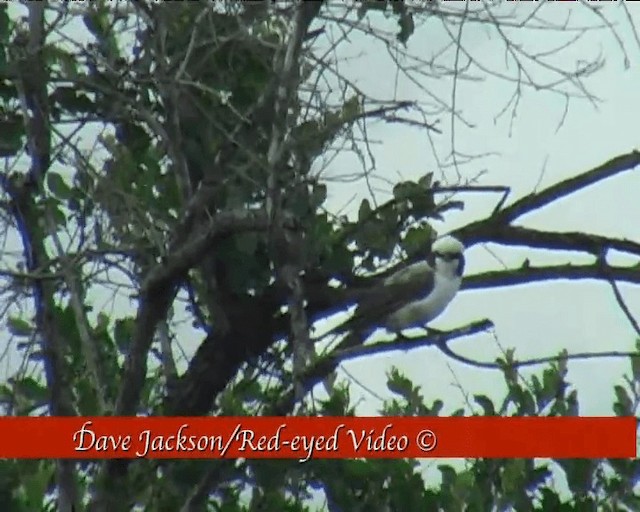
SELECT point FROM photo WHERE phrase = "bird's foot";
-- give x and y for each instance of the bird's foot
(429, 332)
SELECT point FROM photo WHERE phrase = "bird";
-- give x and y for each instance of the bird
(411, 297)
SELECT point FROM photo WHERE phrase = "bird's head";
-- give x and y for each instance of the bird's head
(448, 254)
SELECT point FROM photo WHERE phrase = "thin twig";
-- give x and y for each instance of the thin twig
(623, 306)
(534, 361)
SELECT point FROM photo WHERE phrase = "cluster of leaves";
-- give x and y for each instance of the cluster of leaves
(26, 395)
(475, 485)
(523, 484)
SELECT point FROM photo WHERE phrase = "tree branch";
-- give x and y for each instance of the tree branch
(564, 188)
(535, 361)
(157, 293)
(159, 288)
(526, 274)
(32, 91)
(285, 245)
(624, 307)
(408, 343)
(497, 227)
(185, 254)
(562, 241)
(327, 364)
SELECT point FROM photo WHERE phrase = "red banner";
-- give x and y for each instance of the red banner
(304, 438)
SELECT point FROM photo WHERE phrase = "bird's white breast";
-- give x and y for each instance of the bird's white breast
(420, 312)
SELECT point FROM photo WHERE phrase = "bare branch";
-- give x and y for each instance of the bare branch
(327, 364)
(408, 343)
(624, 307)
(562, 241)
(566, 187)
(529, 274)
(535, 361)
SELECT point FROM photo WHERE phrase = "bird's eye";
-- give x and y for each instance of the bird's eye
(449, 256)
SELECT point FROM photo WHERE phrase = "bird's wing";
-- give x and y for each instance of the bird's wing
(409, 273)
(379, 303)
(384, 300)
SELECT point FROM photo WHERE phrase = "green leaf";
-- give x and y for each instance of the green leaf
(417, 239)
(6, 394)
(513, 476)
(58, 186)
(318, 195)
(635, 367)
(448, 475)
(5, 33)
(535, 384)
(371, 5)
(5, 23)
(407, 27)
(527, 403)
(572, 404)
(66, 319)
(562, 362)
(624, 404)
(54, 209)
(102, 322)
(486, 404)
(19, 327)
(406, 190)
(436, 407)
(71, 100)
(66, 62)
(364, 212)
(374, 237)
(508, 370)
(579, 474)
(31, 390)
(426, 181)
(350, 109)
(35, 484)
(11, 134)
(549, 390)
(550, 499)
(137, 140)
(399, 384)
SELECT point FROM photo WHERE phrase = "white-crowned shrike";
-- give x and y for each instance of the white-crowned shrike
(411, 297)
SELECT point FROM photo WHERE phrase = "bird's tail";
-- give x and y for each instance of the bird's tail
(355, 338)
(355, 334)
